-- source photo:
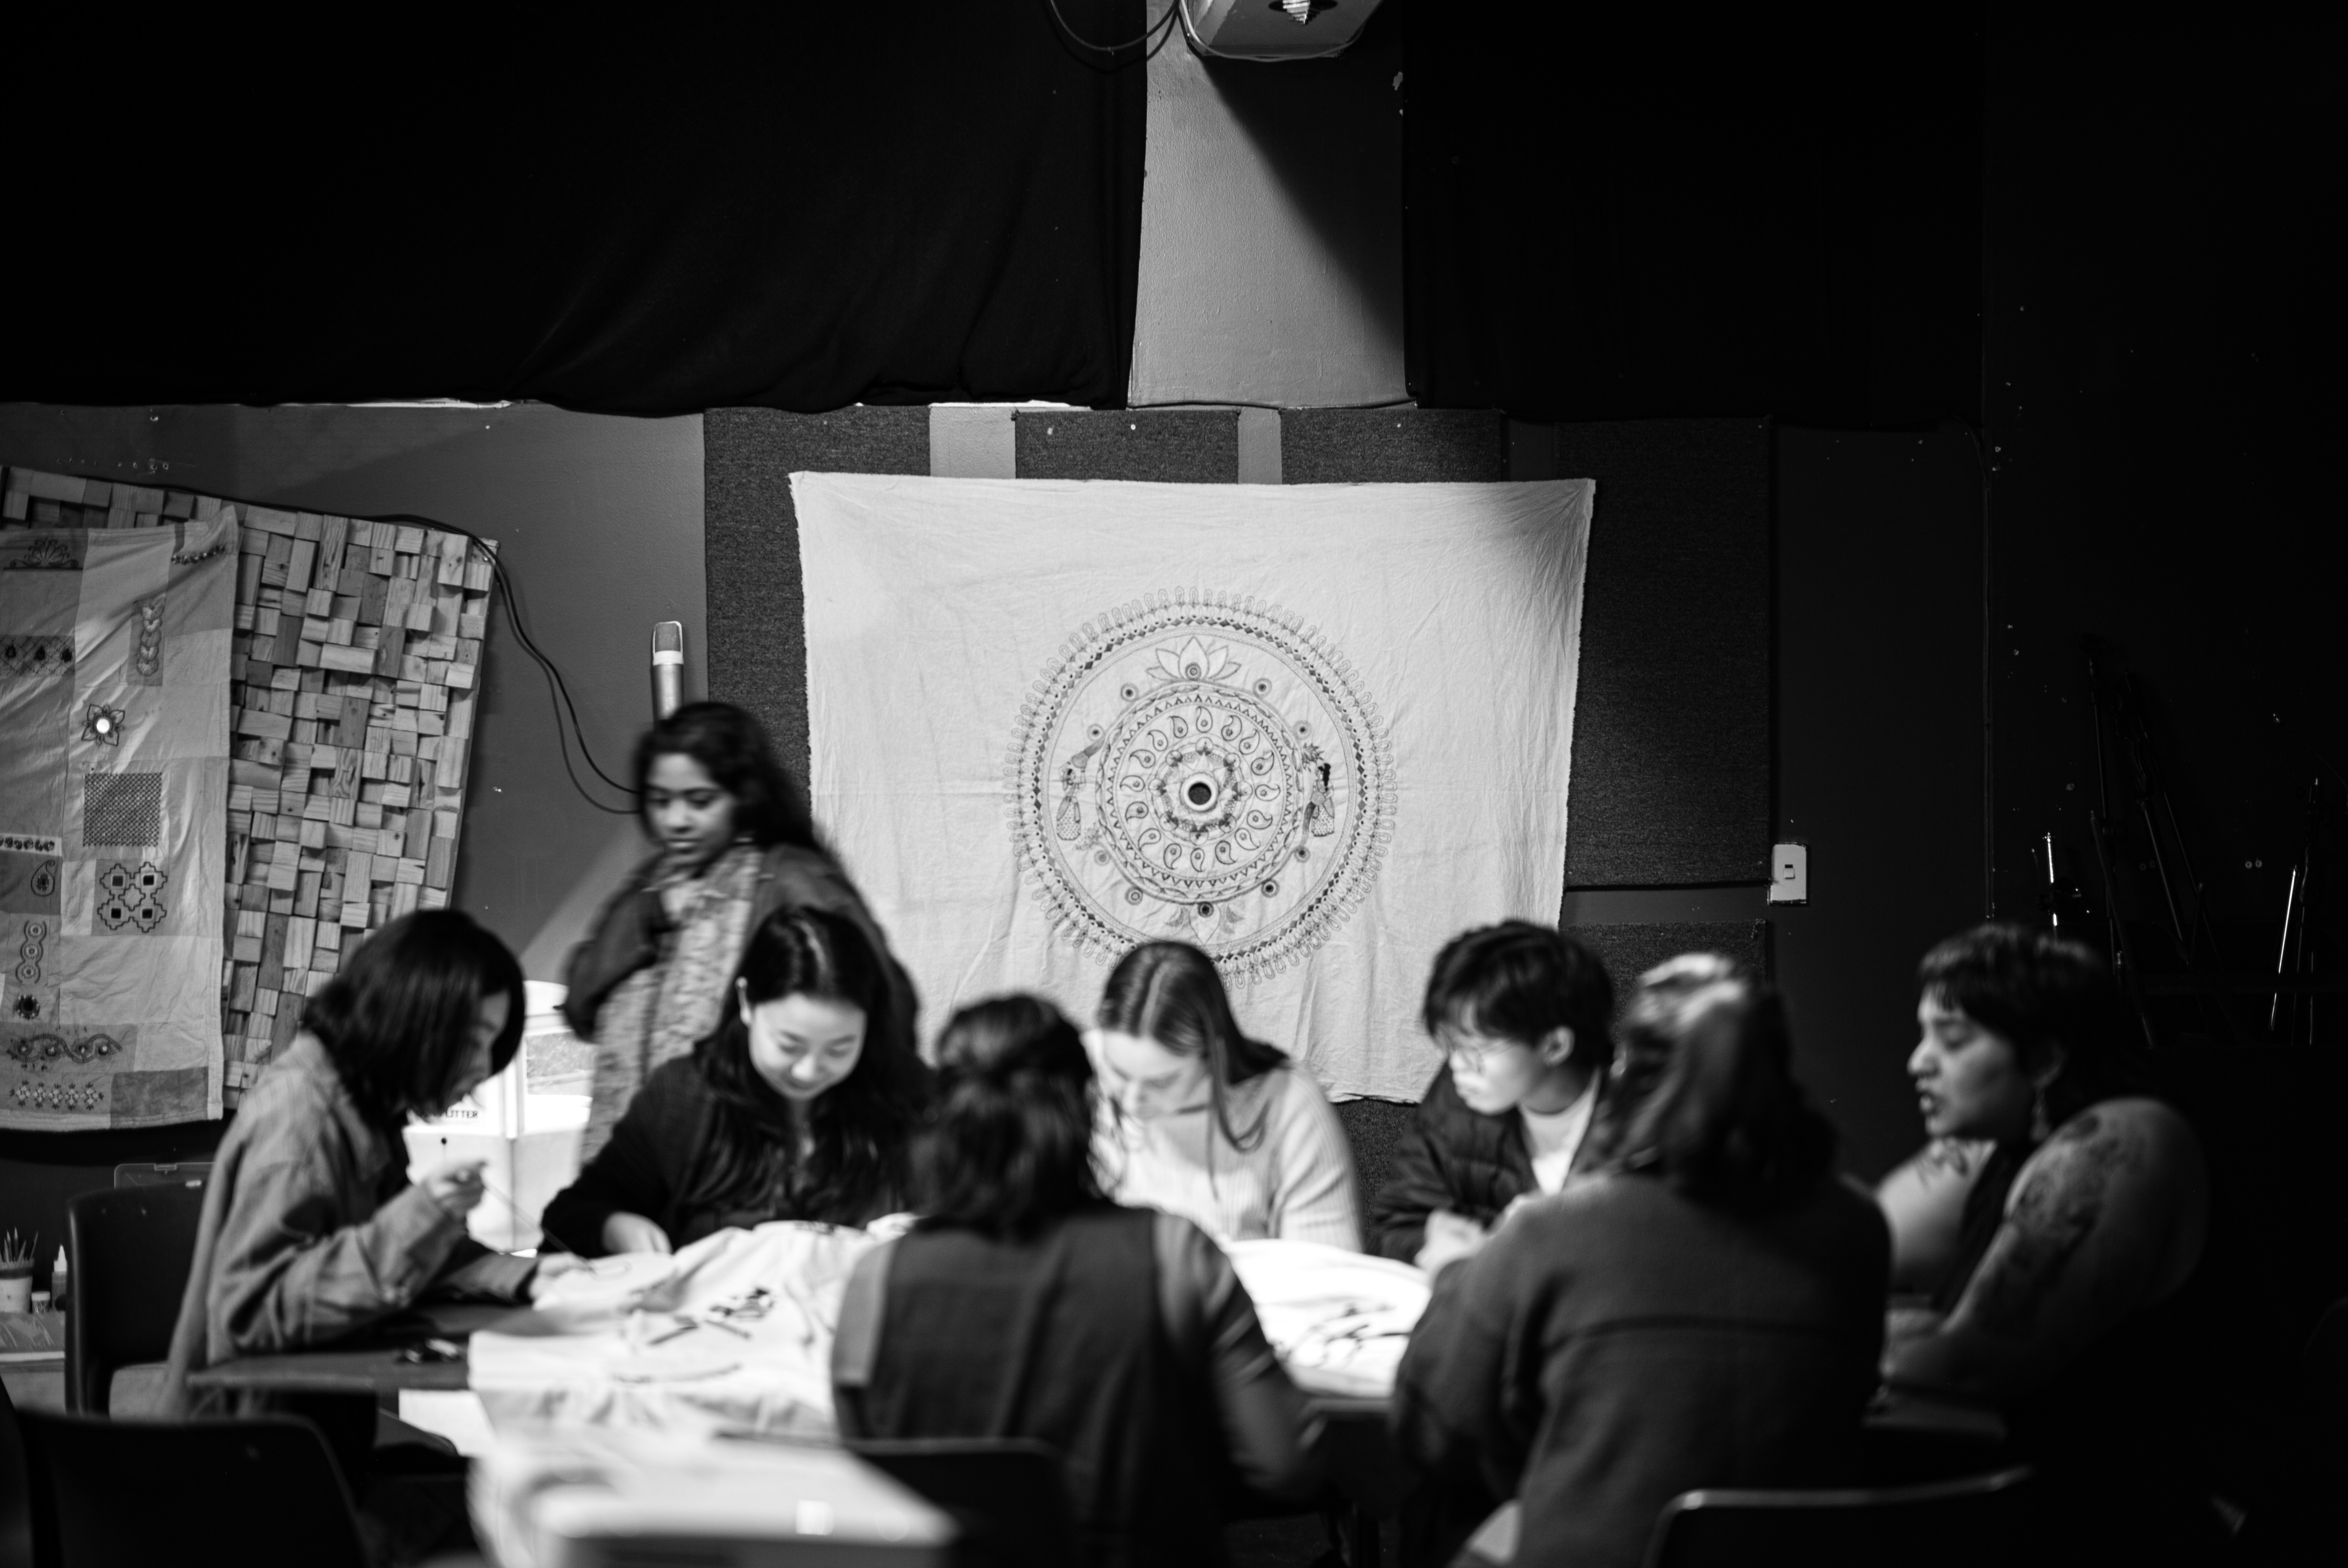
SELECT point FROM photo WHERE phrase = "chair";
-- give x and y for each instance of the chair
(264, 1492)
(1006, 1493)
(131, 1248)
(1981, 1519)
(16, 1490)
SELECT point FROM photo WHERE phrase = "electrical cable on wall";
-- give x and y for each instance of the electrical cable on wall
(559, 689)
(1154, 35)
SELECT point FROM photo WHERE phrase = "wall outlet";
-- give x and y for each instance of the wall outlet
(1789, 874)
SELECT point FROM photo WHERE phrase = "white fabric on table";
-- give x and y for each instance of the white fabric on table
(988, 660)
(1338, 1320)
(585, 1356)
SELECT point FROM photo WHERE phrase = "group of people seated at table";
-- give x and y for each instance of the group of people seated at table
(1649, 1273)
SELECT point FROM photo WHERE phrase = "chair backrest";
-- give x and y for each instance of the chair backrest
(16, 1490)
(1007, 1494)
(263, 1493)
(1981, 1519)
(129, 1250)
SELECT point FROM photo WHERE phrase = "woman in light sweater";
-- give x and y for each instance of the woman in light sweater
(1202, 1121)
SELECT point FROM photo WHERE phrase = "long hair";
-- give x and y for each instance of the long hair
(1705, 1098)
(1519, 981)
(858, 1127)
(770, 806)
(1009, 1143)
(1171, 993)
(2050, 998)
(398, 1019)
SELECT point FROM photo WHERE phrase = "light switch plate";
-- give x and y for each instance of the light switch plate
(1789, 874)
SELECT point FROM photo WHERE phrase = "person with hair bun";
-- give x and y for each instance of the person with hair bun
(734, 841)
(800, 1105)
(1025, 1303)
(1202, 1120)
(1704, 1310)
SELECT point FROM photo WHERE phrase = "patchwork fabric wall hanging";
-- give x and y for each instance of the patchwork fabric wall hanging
(347, 692)
(1315, 731)
(113, 697)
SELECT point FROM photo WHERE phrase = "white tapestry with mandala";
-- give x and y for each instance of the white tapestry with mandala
(1315, 731)
(114, 688)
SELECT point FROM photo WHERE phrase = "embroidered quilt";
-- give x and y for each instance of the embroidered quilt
(114, 689)
(1314, 730)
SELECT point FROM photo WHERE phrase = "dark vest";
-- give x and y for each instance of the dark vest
(1056, 1338)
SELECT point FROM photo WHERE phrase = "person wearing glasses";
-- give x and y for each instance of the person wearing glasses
(1522, 1014)
(801, 1105)
(1199, 1120)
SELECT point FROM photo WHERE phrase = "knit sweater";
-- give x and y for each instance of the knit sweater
(1294, 1183)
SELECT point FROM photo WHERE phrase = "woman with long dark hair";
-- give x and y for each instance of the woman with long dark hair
(1201, 1120)
(734, 841)
(1704, 1311)
(1024, 1304)
(800, 1105)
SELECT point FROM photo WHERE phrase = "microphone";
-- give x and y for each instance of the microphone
(668, 667)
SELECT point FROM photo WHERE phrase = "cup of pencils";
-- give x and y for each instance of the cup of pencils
(16, 1273)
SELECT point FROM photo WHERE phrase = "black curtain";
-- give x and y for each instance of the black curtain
(643, 213)
(1631, 212)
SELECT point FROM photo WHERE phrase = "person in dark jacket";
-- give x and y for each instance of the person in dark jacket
(1523, 1014)
(1704, 1310)
(1025, 1303)
(801, 1105)
(736, 842)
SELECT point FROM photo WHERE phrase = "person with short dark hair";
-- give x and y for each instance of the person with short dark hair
(800, 1105)
(1704, 1310)
(734, 841)
(311, 1230)
(2056, 1218)
(1523, 1015)
(1025, 1303)
(1202, 1120)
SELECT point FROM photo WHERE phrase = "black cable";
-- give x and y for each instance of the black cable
(1159, 30)
(558, 689)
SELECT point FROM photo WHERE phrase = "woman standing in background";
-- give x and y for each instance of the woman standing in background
(736, 841)
(1202, 1121)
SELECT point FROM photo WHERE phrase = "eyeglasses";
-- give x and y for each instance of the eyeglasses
(1468, 1054)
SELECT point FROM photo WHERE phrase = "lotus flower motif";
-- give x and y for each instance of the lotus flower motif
(1197, 660)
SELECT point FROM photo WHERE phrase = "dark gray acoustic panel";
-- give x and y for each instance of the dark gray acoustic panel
(1672, 722)
(758, 619)
(1391, 445)
(1170, 446)
(1375, 1128)
(1629, 952)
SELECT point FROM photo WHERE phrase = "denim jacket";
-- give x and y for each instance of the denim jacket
(311, 1231)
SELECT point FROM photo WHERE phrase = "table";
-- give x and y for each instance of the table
(373, 1365)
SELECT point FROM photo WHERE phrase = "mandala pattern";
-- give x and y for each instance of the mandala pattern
(35, 658)
(131, 899)
(1203, 768)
